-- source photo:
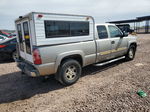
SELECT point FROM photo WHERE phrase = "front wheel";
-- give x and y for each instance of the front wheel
(131, 53)
(69, 72)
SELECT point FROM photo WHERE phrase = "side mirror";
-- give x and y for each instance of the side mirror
(125, 34)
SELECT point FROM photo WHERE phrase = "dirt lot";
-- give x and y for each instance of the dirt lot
(109, 88)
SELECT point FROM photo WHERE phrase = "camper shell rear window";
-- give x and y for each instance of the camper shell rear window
(20, 37)
(66, 28)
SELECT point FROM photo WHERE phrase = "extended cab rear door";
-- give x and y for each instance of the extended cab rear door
(103, 43)
(24, 39)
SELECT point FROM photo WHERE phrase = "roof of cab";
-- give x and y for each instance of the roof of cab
(106, 24)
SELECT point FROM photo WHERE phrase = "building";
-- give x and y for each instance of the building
(139, 25)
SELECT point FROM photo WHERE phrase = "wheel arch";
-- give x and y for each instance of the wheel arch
(76, 55)
(134, 44)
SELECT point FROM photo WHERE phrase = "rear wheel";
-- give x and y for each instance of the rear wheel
(69, 72)
(131, 53)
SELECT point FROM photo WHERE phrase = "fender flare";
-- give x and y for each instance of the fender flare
(61, 56)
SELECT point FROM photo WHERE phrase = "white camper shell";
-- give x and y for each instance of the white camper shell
(31, 31)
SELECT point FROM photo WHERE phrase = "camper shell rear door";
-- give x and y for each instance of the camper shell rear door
(24, 38)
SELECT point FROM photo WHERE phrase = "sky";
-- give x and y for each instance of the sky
(101, 10)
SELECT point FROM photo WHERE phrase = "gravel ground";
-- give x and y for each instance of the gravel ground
(108, 88)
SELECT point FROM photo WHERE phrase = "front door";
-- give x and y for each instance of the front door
(118, 44)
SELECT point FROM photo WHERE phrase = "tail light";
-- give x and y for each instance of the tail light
(36, 57)
(2, 46)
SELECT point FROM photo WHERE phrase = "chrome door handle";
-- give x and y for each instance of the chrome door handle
(112, 42)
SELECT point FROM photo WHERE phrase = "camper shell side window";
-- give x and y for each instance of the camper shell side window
(66, 28)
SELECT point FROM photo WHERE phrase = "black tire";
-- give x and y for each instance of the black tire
(69, 72)
(22, 72)
(131, 53)
(4, 57)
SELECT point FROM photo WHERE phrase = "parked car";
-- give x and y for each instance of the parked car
(8, 35)
(62, 44)
(8, 49)
(4, 33)
(2, 37)
(11, 35)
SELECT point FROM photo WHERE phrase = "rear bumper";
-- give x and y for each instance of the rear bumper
(27, 68)
(36, 70)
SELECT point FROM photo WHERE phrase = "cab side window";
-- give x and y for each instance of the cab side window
(102, 32)
(114, 31)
